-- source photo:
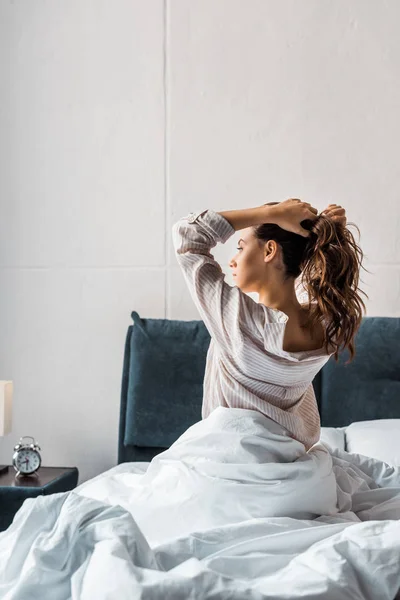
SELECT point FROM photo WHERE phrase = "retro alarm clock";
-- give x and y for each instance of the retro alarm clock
(26, 458)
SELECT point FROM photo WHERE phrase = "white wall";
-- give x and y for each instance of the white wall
(118, 117)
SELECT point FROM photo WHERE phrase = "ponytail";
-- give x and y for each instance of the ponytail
(330, 273)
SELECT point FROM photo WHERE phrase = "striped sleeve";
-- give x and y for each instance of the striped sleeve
(227, 312)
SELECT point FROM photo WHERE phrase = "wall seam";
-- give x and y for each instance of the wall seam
(166, 187)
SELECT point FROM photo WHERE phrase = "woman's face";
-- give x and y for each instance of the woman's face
(250, 263)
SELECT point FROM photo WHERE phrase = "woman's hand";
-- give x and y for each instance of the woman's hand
(337, 213)
(290, 213)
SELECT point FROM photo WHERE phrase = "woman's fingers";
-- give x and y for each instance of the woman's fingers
(310, 209)
(332, 207)
(290, 213)
(337, 213)
(313, 210)
(333, 211)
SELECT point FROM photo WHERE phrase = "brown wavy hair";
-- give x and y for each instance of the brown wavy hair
(329, 262)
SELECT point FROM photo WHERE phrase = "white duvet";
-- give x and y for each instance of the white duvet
(235, 509)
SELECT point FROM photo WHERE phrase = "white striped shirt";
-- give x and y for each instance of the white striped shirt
(246, 366)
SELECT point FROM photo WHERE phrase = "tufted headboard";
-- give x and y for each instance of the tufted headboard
(163, 371)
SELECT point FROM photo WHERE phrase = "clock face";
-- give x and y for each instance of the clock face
(27, 461)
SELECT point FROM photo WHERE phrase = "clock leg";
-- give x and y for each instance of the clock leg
(3, 469)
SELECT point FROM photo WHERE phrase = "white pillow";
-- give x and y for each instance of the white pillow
(378, 439)
(333, 437)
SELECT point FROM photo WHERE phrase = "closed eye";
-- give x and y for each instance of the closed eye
(239, 248)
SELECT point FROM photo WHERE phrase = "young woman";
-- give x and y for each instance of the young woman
(256, 454)
(264, 355)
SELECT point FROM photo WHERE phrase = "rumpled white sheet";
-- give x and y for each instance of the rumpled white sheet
(234, 509)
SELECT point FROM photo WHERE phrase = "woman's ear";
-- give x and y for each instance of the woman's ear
(270, 250)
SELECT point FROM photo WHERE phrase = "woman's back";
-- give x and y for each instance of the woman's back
(299, 336)
(256, 371)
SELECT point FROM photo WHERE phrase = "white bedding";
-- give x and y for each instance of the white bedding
(234, 509)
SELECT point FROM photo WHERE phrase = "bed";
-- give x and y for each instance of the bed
(163, 370)
(172, 520)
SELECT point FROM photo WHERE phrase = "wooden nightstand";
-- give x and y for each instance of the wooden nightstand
(14, 491)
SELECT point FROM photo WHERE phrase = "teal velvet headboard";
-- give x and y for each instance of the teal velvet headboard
(163, 370)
